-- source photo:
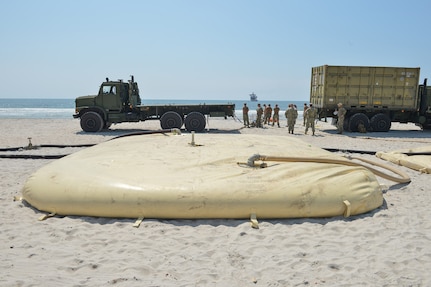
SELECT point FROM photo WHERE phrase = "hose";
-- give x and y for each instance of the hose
(373, 152)
(32, 156)
(174, 131)
(46, 145)
(416, 153)
(404, 178)
(235, 117)
(350, 151)
(31, 147)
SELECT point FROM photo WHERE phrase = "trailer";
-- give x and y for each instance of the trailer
(119, 101)
(373, 96)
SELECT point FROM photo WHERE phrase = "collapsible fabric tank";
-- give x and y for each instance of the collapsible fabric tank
(418, 158)
(216, 176)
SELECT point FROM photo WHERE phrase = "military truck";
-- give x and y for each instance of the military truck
(373, 96)
(119, 101)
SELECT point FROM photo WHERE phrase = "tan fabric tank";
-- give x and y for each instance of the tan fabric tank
(418, 158)
(164, 176)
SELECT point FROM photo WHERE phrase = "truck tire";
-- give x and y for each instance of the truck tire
(380, 123)
(356, 120)
(346, 124)
(171, 120)
(195, 121)
(91, 122)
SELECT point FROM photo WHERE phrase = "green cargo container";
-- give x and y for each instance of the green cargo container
(372, 96)
(365, 87)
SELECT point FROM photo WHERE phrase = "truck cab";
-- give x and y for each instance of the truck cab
(118, 96)
(424, 104)
(114, 100)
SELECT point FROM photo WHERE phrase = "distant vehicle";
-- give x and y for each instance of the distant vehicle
(119, 101)
(373, 96)
(253, 97)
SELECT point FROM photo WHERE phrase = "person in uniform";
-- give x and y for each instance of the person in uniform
(303, 113)
(291, 115)
(310, 115)
(245, 118)
(276, 117)
(341, 115)
(259, 112)
(296, 113)
(267, 114)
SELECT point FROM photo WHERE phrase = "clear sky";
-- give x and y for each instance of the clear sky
(202, 49)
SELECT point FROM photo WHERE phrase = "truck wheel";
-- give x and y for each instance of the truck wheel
(171, 120)
(380, 123)
(358, 119)
(346, 126)
(91, 122)
(195, 121)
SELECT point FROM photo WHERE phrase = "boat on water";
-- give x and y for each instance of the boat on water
(253, 97)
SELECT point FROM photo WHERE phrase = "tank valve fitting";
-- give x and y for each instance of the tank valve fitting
(255, 157)
(193, 139)
(30, 145)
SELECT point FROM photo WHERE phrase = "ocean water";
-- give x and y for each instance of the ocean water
(65, 108)
(36, 108)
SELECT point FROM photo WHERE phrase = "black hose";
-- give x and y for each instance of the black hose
(416, 153)
(373, 152)
(64, 146)
(32, 147)
(32, 156)
(177, 131)
(350, 151)
(39, 146)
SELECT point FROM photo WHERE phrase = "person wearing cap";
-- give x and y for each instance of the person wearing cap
(310, 115)
(341, 115)
(245, 118)
(259, 112)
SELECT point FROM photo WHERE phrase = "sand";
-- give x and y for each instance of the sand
(390, 246)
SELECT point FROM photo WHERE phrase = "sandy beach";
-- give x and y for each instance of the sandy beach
(390, 246)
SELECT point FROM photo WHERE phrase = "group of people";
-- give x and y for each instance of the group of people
(266, 113)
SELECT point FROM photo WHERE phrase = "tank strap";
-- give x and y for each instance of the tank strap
(348, 208)
(253, 221)
(138, 222)
(46, 216)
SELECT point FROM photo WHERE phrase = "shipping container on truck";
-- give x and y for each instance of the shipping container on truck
(372, 96)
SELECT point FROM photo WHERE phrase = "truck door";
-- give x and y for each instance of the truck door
(111, 98)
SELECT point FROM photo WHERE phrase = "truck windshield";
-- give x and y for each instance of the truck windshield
(109, 90)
